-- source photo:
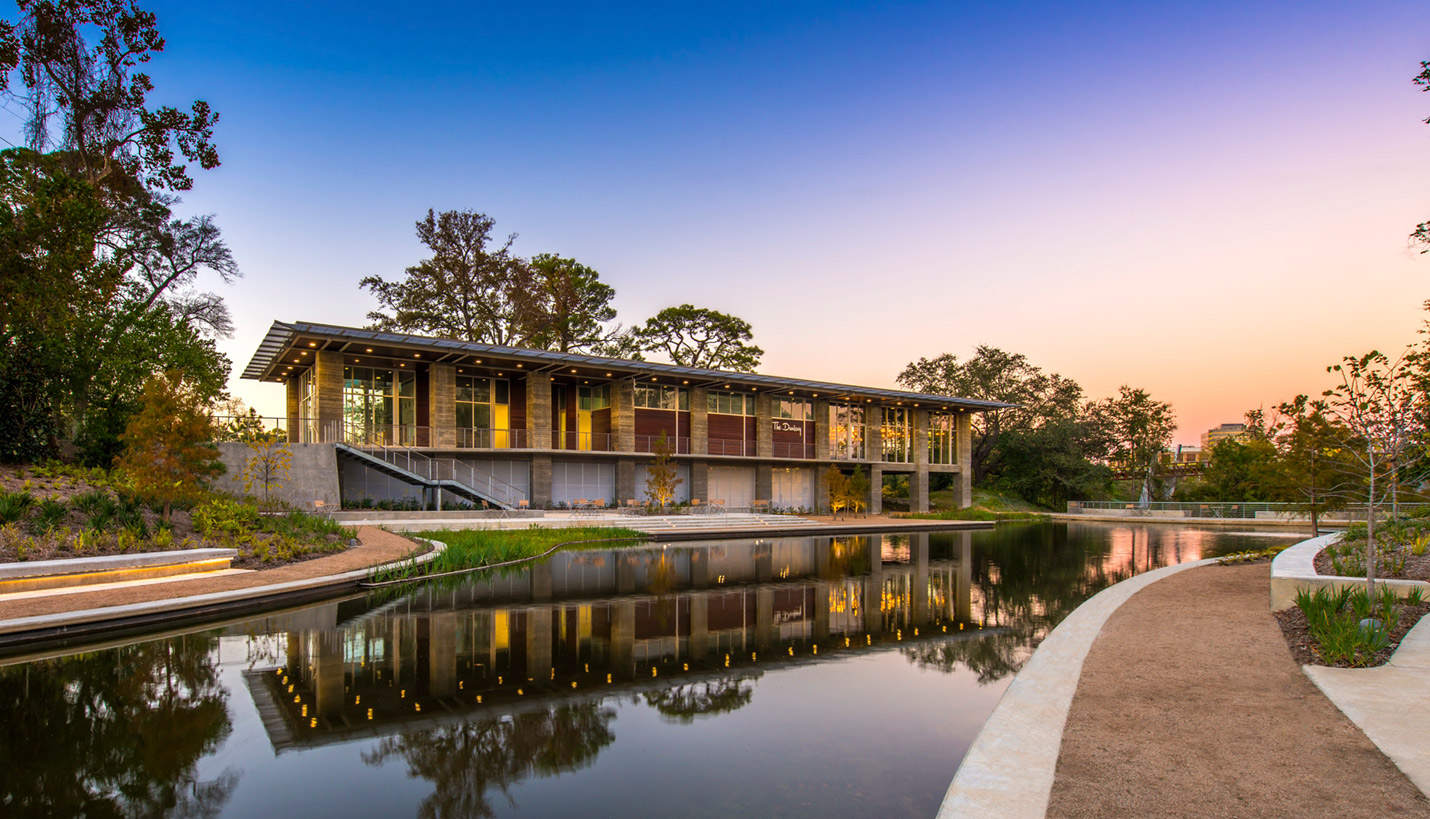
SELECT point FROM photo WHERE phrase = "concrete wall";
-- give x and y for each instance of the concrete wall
(312, 475)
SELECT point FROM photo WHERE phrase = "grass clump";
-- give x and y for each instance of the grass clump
(1335, 622)
(474, 548)
(1253, 555)
(14, 505)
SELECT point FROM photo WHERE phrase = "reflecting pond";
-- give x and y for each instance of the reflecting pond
(832, 676)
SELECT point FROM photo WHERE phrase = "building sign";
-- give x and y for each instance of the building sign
(789, 426)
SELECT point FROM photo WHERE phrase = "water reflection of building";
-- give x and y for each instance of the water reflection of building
(597, 622)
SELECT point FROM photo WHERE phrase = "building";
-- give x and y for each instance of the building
(413, 417)
(1216, 435)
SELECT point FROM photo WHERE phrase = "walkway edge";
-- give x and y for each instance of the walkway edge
(1295, 569)
(1009, 769)
(23, 630)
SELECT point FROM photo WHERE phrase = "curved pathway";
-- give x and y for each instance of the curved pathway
(1190, 705)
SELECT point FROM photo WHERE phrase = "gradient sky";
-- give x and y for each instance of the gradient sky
(1208, 200)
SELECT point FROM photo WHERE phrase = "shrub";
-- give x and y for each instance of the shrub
(14, 505)
(50, 513)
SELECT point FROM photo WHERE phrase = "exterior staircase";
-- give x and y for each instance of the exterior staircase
(435, 475)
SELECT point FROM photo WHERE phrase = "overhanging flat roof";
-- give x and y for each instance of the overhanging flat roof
(283, 335)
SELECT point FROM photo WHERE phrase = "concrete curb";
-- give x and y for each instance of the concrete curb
(1009, 769)
(21, 631)
(1295, 569)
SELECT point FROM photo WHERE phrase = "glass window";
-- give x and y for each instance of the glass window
(896, 433)
(846, 432)
(656, 396)
(796, 409)
(590, 399)
(943, 429)
(482, 411)
(730, 403)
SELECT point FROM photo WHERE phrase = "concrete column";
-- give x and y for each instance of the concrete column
(328, 678)
(626, 565)
(700, 567)
(821, 488)
(442, 654)
(328, 400)
(699, 422)
(963, 455)
(766, 632)
(963, 579)
(623, 639)
(541, 580)
(873, 432)
(876, 489)
(764, 482)
(821, 611)
(626, 480)
(700, 481)
(623, 415)
(874, 586)
(764, 555)
(295, 430)
(921, 436)
(764, 428)
(442, 405)
(540, 481)
(919, 489)
(699, 642)
(538, 644)
(538, 421)
(919, 583)
(821, 429)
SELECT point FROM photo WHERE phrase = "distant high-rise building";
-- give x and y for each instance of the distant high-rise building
(1216, 435)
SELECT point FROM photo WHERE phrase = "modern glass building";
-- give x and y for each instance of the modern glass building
(407, 415)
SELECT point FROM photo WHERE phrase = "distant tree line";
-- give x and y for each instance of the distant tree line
(1053, 445)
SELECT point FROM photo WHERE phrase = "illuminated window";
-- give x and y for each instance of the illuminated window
(897, 435)
(656, 396)
(846, 432)
(730, 403)
(379, 406)
(483, 412)
(943, 437)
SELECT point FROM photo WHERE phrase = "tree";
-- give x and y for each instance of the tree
(1421, 234)
(268, 465)
(1243, 471)
(168, 457)
(1381, 407)
(90, 103)
(1049, 465)
(836, 485)
(1313, 459)
(995, 375)
(118, 265)
(1141, 429)
(470, 288)
(858, 488)
(699, 337)
(662, 477)
(572, 304)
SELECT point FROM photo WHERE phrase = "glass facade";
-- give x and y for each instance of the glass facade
(379, 406)
(730, 403)
(796, 409)
(307, 410)
(943, 438)
(846, 432)
(897, 435)
(483, 412)
(656, 396)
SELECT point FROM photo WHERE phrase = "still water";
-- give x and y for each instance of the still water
(830, 676)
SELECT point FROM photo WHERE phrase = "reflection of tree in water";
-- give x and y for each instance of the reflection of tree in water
(464, 761)
(992, 656)
(115, 733)
(683, 703)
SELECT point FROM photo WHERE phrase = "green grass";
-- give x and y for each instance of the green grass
(474, 548)
(987, 505)
(1334, 620)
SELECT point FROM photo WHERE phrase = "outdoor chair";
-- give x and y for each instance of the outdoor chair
(717, 507)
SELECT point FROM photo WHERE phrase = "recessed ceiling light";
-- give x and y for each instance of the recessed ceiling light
(369, 349)
(312, 344)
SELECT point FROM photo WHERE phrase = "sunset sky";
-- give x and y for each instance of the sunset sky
(1208, 200)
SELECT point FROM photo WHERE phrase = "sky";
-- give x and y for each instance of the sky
(1207, 200)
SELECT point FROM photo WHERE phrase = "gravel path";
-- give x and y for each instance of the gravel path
(376, 547)
(1190, 705)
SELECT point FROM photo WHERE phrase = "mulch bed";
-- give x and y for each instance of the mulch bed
(1416, 568)
(1298, 637)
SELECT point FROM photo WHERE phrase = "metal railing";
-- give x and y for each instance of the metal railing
(725, 446)
(647, 443)
(1249, 510)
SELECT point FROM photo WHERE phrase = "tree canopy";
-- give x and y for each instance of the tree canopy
(99, 279)
(700, 337)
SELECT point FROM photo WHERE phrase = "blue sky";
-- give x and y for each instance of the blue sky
(1208, 200)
